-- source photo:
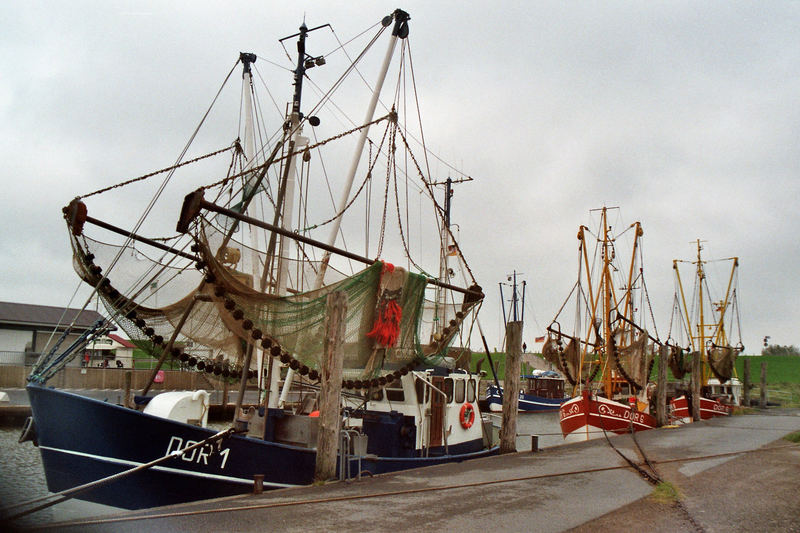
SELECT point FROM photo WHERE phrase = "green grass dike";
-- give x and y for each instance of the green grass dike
(793, 437)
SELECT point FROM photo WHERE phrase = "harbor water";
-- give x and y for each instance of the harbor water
(22, 475)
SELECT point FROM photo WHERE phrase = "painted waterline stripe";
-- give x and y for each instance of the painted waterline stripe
(165, 468)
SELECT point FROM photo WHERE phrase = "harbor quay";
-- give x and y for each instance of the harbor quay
(730, 474)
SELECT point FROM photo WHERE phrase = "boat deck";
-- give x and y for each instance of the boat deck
(532, 491)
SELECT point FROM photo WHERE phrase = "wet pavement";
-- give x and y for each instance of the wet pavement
(556, 489)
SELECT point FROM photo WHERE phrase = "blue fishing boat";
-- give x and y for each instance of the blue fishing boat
(240, 296)
(541, 391)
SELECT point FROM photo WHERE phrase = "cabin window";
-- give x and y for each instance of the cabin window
(423, 391)
(471, 390)
(448, 389)
(394, 392)
(460, 391)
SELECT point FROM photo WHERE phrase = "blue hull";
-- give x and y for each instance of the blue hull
(82, 440)
(527, 402)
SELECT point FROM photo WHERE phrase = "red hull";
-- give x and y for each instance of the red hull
(708, 408)
(584, 418)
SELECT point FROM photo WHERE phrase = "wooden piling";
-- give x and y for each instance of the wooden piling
(697, 384)
(763, 402)
(331, 387)
(661, 386)
(508, 430)
(128, 378)
(747, 383)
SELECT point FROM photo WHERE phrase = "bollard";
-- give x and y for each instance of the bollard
(534, 443)
(258, 483)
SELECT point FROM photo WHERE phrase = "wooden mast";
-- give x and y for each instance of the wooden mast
(606, 287)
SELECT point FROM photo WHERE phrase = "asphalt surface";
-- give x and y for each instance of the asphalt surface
(734, 474)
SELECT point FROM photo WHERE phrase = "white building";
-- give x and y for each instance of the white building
(28, 330)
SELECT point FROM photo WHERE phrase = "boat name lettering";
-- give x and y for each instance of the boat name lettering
(627, 414)
(197, 455)
(720, 408)
(573, 410)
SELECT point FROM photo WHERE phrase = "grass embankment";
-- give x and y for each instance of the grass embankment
(793, 437)
(142, 359)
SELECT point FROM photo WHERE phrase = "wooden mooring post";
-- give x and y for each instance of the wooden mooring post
(331, 387)
(661, 387)
(128, 379)
(697, 384)
(747, 382)
(763, 402)
(508, 430)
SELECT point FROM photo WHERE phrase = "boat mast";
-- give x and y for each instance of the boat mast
(517, 301)
(701, 276)
(400, 31)
(628, 308)
(249, 150)
(721, 338)
(284, 207)
(444, 255)
(606, 286)
(285, 202)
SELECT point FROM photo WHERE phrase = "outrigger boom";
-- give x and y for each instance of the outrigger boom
(194, 202)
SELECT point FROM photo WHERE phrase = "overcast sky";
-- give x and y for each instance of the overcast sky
(683, 114)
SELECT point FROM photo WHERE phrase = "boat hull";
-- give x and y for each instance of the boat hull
(528, 403)
(583, 418)
(708, 409)
(83, 440)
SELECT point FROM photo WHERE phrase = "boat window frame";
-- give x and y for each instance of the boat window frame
(395, 392)
(460, 390)
(423, 390)
(472, 389)
(448, 389)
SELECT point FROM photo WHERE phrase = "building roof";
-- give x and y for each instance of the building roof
(124, 342)
(45, 316)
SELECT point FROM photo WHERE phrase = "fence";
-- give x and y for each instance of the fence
(15, 376)
(17, 358)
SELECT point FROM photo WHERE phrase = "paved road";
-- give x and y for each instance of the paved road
(565, 487)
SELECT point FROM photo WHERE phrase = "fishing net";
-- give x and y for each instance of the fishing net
(634, 360)
(221, 314)
(720, 361)
(678, 362)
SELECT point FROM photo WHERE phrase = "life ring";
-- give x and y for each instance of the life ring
(467, 416)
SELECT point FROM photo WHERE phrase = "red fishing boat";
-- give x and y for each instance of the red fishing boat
(585, 417)
(703, 341)
(608, 354)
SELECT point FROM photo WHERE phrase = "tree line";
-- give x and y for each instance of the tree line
(777, 349)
